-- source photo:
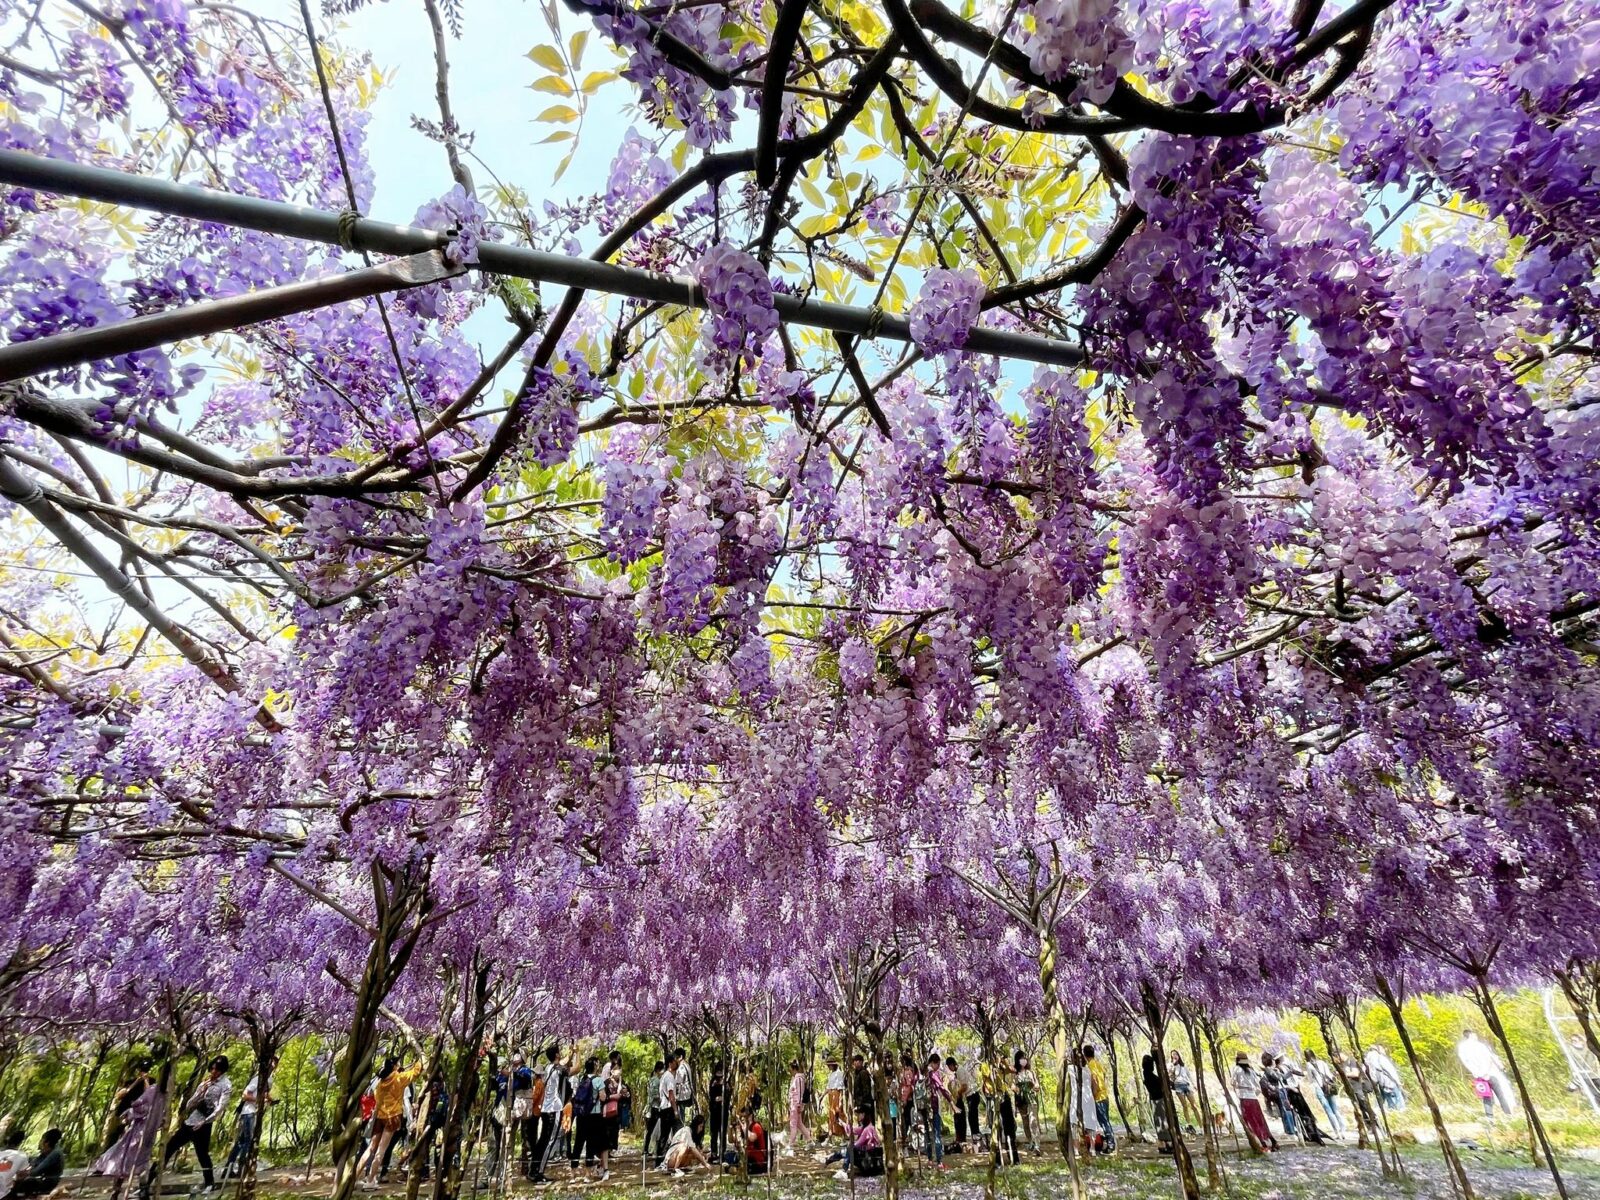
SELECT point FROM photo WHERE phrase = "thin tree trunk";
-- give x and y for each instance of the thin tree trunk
(888, 1128)
(1116, 1081)
(1236, 1117)
(475, 1020)
(399, 901)
(1180, 1150)
(1491, 1014)
(1056, 1015)
(1458, 1174)
(1216, 1177)
(1389, 1162)
(1580, 994)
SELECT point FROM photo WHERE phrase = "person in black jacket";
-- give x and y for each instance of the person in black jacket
(1158, 1101)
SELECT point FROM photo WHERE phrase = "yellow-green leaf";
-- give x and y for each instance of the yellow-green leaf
(558, 112)
(552, 83)
(548, 57)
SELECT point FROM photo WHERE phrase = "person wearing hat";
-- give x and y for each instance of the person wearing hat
(1247, 1086)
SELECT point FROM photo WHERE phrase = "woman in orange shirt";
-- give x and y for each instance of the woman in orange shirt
(389, 1092)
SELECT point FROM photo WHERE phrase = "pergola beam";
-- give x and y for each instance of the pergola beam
(19, 169)
(63, 350)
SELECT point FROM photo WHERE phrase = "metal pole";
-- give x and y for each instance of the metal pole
(22, 359)
(19, 169)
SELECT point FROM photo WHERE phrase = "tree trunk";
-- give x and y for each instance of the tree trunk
(1056, 1016)
(1236, 1121)
(1458, 1174)
(1181, 1158)
(397, 899)
(1116, 1082)
(264, 1042)
(888, 1128)
(1491, 1014)
(1390, 1161)
(1216, 1177)
(475, 1005)
(1580, 994)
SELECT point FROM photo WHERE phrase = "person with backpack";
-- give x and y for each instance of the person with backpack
(585, 1096)
(1327, 1085)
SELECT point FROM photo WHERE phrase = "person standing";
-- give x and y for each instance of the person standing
(971, 1096)
(717, 1111)
(1157, 1095)
(435, 1110)
(1277, 1093)
(127, 1159)
(667, 1109)
(863, 1088)
(905, 1089)
(586, 1101)
(797, 1106)
(387, 1117)
(1386, 1077)
(1183, 1088)
(1247, 1086)
(1026, 1084)
(1292, 1075)
(554, 1077)
(1327, 1084)
(208, 1103)
(1488, 1076)
(1102, 1098)
(833, 1098)
(652, 1107)
(684, 1086)
(958, 1103)
(256, 1097)
(117, 1118)
(1360, 1087)
(936, 1094)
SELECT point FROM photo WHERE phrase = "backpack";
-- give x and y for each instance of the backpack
(920, 1091)
(538, 1093)
(583, 1098)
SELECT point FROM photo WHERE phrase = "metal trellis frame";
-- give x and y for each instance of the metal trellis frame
(20, 169)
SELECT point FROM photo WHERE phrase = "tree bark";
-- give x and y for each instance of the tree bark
(1181, 1157)
(400, 900)
(1458, 1174)
(1056, 1016)
(475, 1005)
(1491, 1014)
(1216, 1177)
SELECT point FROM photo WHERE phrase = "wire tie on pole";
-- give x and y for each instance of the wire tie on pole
(697, 295)
(347, 229)
(874, 323)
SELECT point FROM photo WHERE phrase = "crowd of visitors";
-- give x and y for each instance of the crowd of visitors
(561, 1109)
